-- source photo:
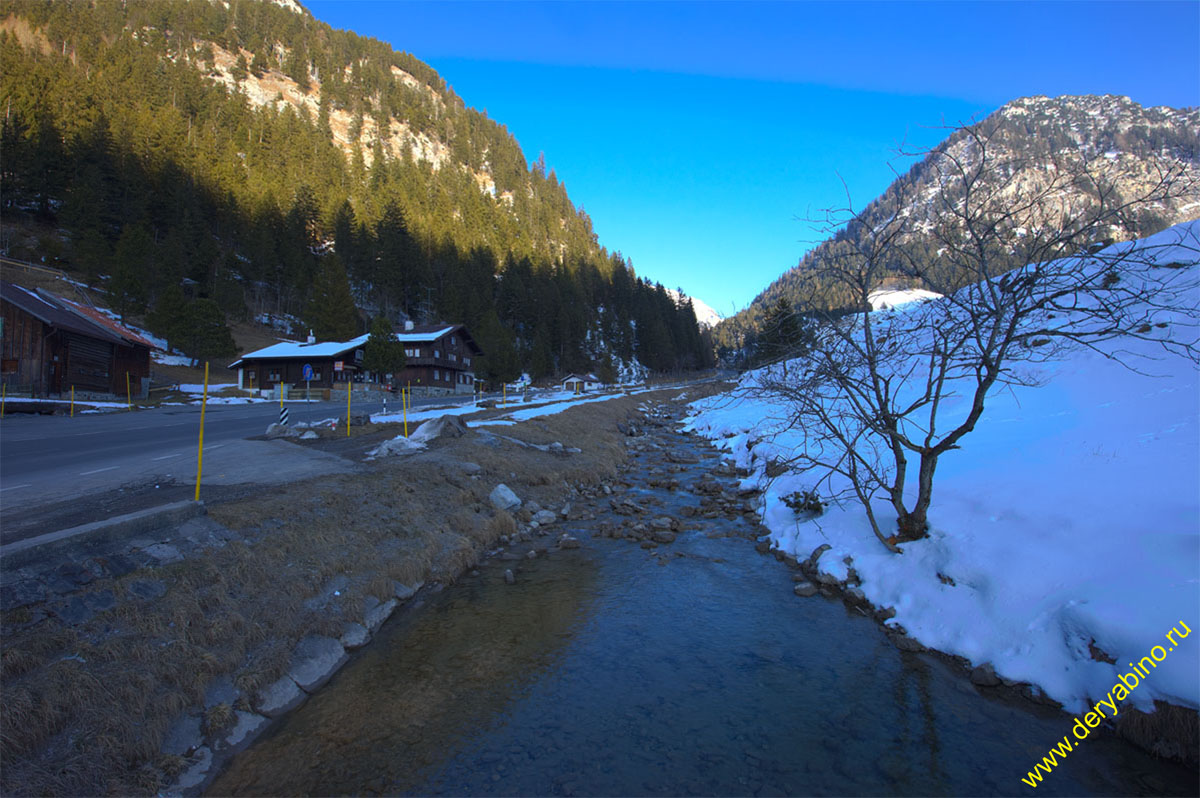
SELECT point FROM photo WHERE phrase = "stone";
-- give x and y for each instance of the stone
(220, 691)
(470, 469)
(164, 553)
(828, 580)
(281, 431)
(21, 594)
(191, 779)
(566, 510)
(147, 589)
(663, 536)
(855, 597)
(533, 506)
(360, 419)
(502, 498)
(279, 697)
(544, 517)
(354, 635)
(509, 578)
(72, 612)
(568, 542)
(762, 546)
(100, 600)
(556, 448)
(531, 554)
(184, 736)
(309, 435)
(985, 676)
(441, 427)
(662, 522)
(376, 612)
(887, 613)
(314, 660)
(249, 725)
(405, 592)
(805, 589)
(906, 643)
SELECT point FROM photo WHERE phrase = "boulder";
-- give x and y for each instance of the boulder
(544, 517)
(662, 522)
(354, 635)
(663, 536)
(855, 597)
(397, 445)
(404, 592)
(279, 697)
(985, 675)
(509, 578)
(314, 660)
(805, 589)
(828, 580)
(762, 546)
(360, 419)
(376, 612)
(309, 435)
(281, 431)
(502, 498)
(441, 427)
(568, 542)
(470, 469)
(247, 728)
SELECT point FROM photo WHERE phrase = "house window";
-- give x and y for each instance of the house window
(466, 361)
(413, 352)
(453, 358)
(273, 376)
(436, 375)
(453, 341)
(436, 353)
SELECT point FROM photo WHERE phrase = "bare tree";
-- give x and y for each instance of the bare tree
(1016, 249)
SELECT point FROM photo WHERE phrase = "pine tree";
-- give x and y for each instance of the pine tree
(384, 353)
(331, 313)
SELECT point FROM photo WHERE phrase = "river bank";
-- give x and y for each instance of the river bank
(664, 655)
(142, 669)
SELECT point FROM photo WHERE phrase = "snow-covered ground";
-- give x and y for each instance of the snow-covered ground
(885, 299)
(1069, 518)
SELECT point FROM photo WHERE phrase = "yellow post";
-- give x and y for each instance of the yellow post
(348, 392)
(404, 408)
(200, 452)
(72, 401)
(504, 395)
(3, 396)
(129, 394)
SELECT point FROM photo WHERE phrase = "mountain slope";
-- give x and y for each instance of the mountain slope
(247, 147)
(1118, 139)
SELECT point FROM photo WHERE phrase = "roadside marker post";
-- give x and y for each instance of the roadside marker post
(72, 401)
(504, 395)
(200, 452)
(129, 394)
(283, 415)
(349, 391)
(3, 397)
(404, 404)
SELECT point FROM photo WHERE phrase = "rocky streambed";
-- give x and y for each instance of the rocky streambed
(630, 639)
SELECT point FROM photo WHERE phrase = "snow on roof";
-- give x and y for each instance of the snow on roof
(298, 350)
(112, 324)
(421, 336)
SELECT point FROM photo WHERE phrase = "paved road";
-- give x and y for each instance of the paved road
(49, 458)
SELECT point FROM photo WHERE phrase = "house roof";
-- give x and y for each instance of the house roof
(297, 350)
(589, 377)
(70, 316)
(292, 350)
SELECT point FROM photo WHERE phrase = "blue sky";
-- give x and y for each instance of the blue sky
(697, 135)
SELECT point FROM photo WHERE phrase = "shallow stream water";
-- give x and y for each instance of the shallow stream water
(691, 669)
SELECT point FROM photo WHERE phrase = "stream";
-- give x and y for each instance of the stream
(684, 669)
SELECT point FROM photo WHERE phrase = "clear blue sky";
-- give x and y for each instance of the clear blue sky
(696, 133)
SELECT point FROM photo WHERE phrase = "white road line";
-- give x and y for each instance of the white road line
(14, 487)
(97, 471)
(165, 457)
(217, 446)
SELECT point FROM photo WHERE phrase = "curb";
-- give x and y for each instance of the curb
(22, 552)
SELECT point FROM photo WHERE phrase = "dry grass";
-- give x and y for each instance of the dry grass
(1170, 732)
(84, 710)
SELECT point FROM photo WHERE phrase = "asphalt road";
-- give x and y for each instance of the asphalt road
(49, 458)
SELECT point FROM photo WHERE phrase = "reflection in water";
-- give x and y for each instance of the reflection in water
(688, 671)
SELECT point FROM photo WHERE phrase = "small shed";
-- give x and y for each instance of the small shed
(581, 383)
(49, 344)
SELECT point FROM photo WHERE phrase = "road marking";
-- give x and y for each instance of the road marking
(97, 471)
(14, 487)
(165, 457)
(217, 446)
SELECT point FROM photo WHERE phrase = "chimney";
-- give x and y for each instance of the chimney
(408, 325)
(312, 339)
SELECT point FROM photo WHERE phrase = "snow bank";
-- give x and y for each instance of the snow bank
(1070, 518)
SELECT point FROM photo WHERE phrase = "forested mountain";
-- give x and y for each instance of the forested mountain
(263, 160)
(1110, 140)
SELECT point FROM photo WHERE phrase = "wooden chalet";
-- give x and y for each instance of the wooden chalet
(439, 357)
(51, 344)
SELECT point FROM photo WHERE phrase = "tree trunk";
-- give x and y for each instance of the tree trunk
(914, 525)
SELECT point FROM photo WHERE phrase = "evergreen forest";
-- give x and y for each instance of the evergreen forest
(251, 157)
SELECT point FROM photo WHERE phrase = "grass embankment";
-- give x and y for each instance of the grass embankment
(85, 708)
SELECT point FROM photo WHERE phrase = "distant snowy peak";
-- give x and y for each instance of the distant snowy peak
(888, 298)
(706, 317)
